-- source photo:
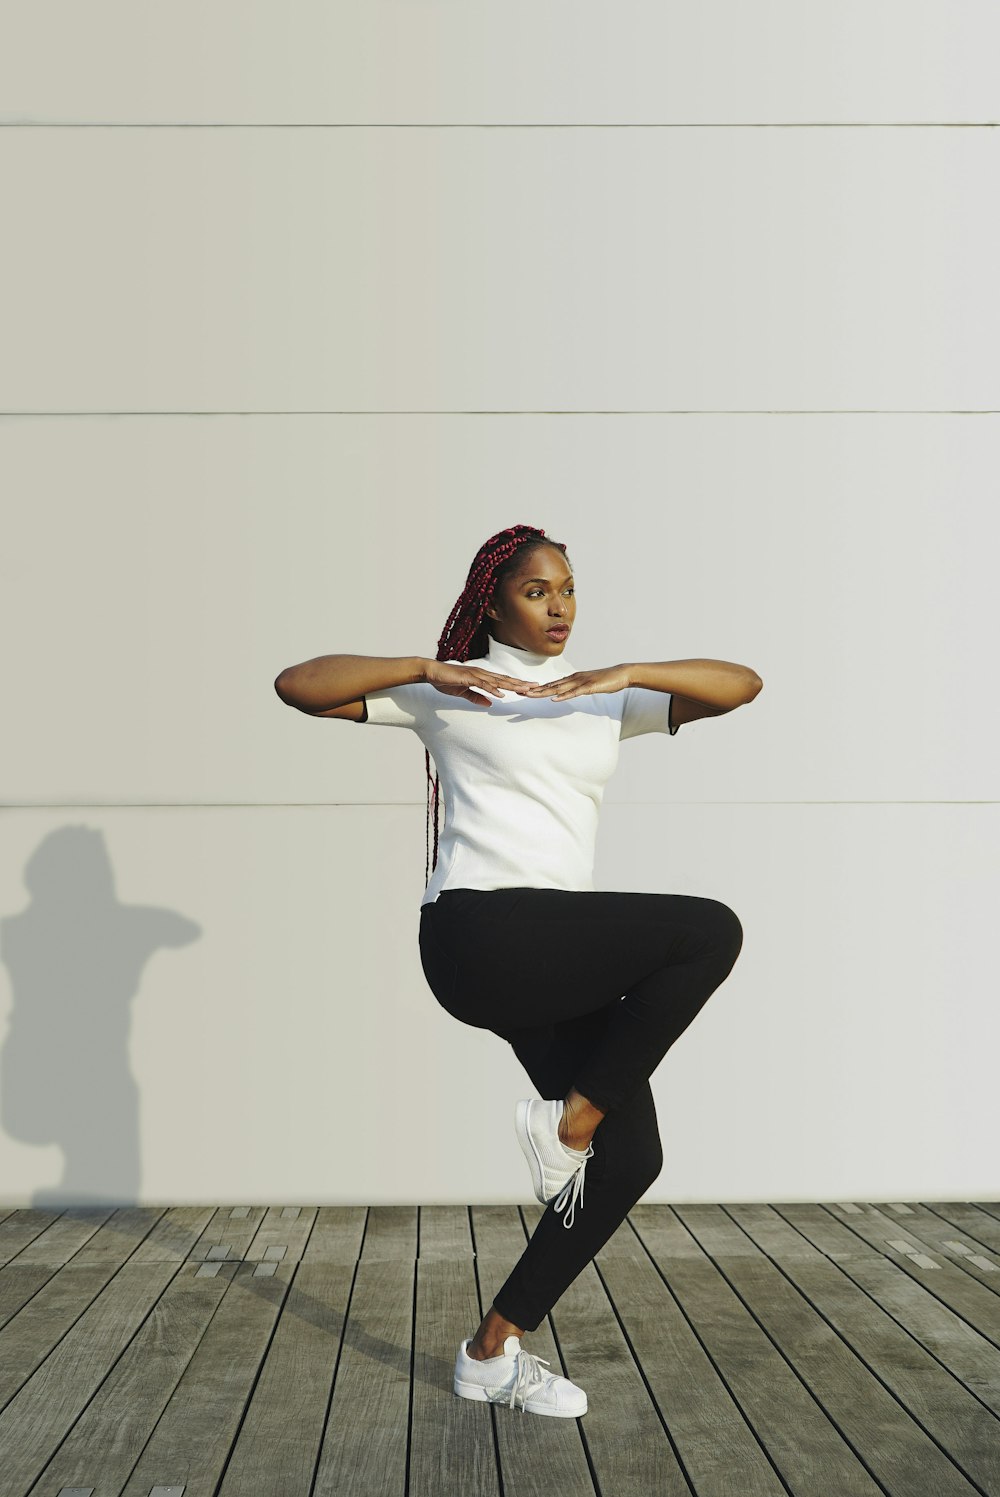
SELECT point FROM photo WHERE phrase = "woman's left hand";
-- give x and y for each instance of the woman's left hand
(580, 683)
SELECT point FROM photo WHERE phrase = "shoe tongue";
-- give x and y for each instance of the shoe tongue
(511, 1346)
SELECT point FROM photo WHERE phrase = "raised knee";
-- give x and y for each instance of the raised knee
(727, 929)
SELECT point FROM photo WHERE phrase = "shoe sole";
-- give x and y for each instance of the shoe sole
(475, 1391)
(530, 1152)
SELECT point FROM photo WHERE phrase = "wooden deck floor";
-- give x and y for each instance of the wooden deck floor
(838, 1350)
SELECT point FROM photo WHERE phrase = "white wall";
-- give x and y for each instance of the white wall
(267, 390)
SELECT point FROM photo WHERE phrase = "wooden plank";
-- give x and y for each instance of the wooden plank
(280, 1237)
(803, 1443)
(629, 1448)
(108, 1438)
(63, 1294)
(227, 1236)
(390, 1232)
(970, 1221)
(539, 1456)
(21, 1228)
(192, 1439)
(65, 1235)
(885, 1436)
(452, 1440)
(953, 1417)
(955, 1344)
(364, 1446)
(926, 1233)
(498, 1232)
(952, 1286)
(40, 1415)
(279, 1438)
(120, 1236)
(31, 1335)
(337, 1234)
(18, 1285)
(715, 1445)
(445, 1232)
(174, 1235)
(943, 1238)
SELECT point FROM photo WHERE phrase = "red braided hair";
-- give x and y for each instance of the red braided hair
(466, 635)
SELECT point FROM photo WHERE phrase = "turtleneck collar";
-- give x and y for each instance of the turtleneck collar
(529, 665)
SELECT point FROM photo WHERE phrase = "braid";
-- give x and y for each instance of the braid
(466, 637)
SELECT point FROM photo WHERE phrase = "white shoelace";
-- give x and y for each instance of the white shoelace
(528, 1377)
(572, 1191)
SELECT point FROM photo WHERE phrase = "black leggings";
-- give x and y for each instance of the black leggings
(546, 970)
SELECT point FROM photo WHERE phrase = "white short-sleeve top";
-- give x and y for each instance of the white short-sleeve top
(523, 779)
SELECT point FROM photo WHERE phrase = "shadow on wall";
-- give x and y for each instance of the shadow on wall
(75, 958)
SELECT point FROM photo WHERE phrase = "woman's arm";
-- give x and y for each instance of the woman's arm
(333, 680)
(717, 683)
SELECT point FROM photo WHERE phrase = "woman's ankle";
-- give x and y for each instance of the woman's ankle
(579, 1121)
(483, 1352)
(491, 1335)
(480, 1355)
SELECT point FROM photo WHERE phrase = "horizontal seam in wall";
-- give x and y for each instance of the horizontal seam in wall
(624, 411)
(225, 805)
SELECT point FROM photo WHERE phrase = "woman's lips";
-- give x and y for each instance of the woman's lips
(559, 632)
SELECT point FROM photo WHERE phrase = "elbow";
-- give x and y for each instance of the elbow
(281, 686)
(754, 686)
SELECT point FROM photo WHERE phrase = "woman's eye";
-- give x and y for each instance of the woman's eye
(535, 590)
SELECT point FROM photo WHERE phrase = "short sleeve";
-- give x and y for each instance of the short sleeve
(411, 705)
(646, 711)
(396, 706)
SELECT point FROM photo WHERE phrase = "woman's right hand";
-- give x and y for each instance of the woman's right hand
(456, 680)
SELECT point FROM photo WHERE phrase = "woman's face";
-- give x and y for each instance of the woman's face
(538, 596)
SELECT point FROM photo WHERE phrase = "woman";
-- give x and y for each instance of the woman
(513, 936)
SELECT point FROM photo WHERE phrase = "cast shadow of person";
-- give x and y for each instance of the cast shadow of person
(75, 958)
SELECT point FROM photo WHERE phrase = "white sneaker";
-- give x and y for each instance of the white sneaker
(556, 1169)
(516, 1379)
